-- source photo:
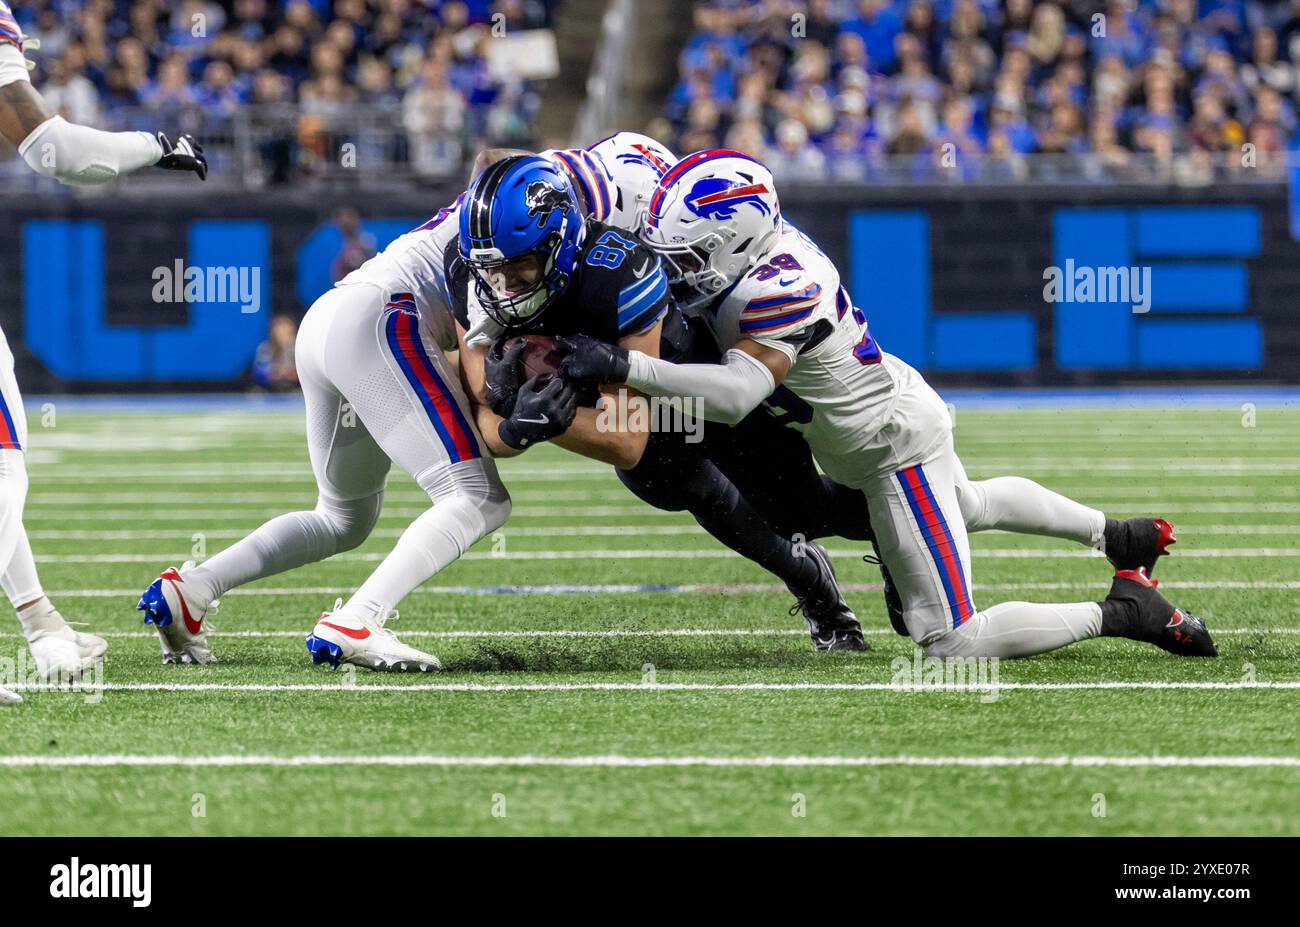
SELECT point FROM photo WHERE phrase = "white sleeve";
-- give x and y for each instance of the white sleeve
(84, 157)
(483, 329)
(13, 66)
(727, 391)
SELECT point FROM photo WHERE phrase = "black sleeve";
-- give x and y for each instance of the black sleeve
(625, 287)
(456, 283)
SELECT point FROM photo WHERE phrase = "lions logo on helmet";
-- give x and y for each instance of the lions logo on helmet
(719, 197)
(541, 199)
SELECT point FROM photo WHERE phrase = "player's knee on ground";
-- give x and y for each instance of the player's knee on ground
(350, 520)
(962, 642)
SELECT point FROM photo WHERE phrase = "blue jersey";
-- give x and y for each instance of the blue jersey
(619, 289)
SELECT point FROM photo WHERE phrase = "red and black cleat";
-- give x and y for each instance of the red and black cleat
(1143, 614)
(1137, 542)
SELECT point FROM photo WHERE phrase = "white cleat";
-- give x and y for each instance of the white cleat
(340, 637)
(9, 698)
(65, 654)
(178, 615)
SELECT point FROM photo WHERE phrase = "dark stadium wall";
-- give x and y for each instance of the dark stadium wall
(952, 280)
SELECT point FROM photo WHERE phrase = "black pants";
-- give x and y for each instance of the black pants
(766, 463)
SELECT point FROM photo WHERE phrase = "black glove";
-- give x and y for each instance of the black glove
(544, 408)
(588, 358)
(501, 372)
(185, 154)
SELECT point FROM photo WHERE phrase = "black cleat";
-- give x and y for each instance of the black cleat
(831, 622)
(1137, 542)
(1136, 610)
(893, 601)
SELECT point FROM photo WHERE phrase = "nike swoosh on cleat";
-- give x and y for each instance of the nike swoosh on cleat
(194, 627)
(357, 634)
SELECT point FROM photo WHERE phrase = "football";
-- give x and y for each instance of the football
(539, 357)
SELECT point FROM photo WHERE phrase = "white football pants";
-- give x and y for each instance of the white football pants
(921, 512)
(378, 390)
(17, 566)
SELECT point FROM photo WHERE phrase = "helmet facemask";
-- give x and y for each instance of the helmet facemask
(521, 309)
(701, 269)
(709, 219)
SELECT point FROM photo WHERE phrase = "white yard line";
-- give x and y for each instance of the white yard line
(687, 553)
(620, 761)
(225, 492)
(656, 588)
(383, 687)
(223, 510)
(577, 633)
(558, 531)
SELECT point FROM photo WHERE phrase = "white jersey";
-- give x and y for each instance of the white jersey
(848, 394)
(413, 263)
(13, 66)
(614, 178)
(10, 34)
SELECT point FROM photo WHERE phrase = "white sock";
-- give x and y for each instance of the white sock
(19, 579)
(287, 542)
(17, 566)
(1012, 503)
(431, 542)
(41, 615)
(468, 503)
(1019, 629)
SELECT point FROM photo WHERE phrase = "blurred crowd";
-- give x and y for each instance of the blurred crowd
(850, 89)
(315, 66)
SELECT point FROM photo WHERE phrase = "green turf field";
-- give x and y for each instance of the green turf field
(697, 710)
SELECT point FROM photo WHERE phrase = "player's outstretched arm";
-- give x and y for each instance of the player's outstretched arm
(74, 154)
(611, 434)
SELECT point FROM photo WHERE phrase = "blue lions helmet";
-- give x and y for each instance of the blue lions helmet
(520, 231)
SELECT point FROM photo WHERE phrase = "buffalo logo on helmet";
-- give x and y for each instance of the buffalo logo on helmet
(543, 198)
(718, 197)
(647, 157)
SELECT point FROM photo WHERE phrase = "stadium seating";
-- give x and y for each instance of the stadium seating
(410, 83)
(857, 90)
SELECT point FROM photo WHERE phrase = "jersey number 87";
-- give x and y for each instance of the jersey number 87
(610, 250)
